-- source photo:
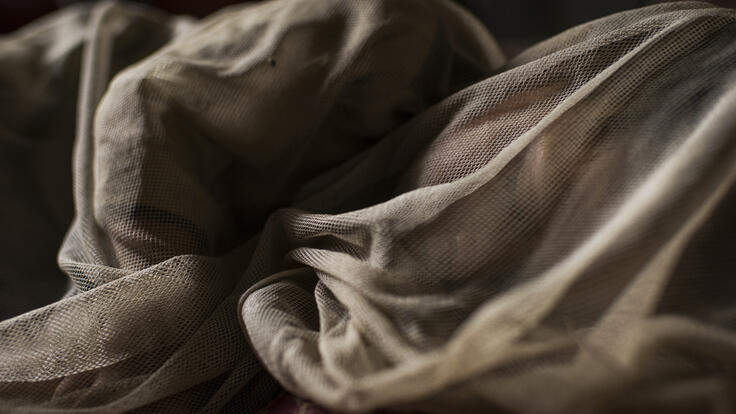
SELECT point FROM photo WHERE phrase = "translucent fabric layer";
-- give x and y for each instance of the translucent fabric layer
(364, 203)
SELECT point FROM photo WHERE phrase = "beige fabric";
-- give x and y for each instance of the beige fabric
(395, 216)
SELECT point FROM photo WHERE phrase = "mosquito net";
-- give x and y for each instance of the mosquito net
(365, 203)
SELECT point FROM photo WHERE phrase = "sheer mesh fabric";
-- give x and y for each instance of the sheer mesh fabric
(365, 203)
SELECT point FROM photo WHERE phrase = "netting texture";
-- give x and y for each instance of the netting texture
(367, 204)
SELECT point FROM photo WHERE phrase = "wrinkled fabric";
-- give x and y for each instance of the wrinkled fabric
(365, 203)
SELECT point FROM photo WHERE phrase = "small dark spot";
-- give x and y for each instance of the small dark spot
(272, 62)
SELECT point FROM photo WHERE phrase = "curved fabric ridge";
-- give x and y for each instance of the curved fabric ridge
(543, 220)
(188, 136)
(365, 203)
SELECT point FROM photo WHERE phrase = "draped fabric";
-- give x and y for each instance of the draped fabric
(367, 204)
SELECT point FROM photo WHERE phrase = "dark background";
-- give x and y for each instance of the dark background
(514, 22)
